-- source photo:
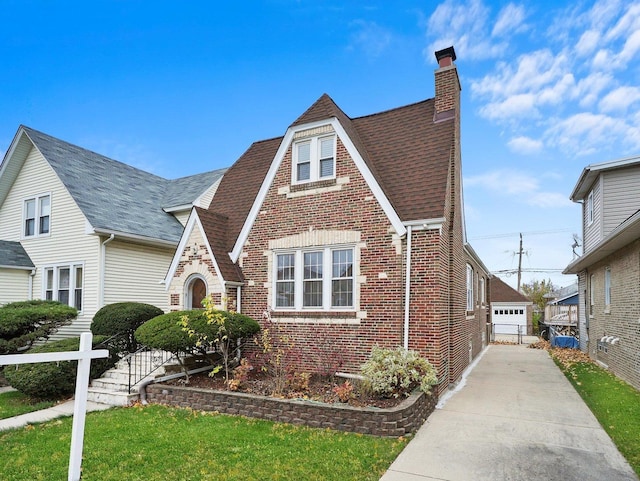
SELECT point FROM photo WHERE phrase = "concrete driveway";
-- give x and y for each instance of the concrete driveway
(516, 417)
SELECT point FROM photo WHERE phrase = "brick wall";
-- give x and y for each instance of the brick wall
(622, 319)
(344, 208)
(394, 422)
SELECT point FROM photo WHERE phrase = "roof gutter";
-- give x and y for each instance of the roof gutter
(137, 238)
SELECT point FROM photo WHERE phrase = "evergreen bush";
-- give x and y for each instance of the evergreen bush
(54, 380)
(25, 322)
(121, 320)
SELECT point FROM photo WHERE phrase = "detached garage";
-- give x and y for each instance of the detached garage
(511, 311)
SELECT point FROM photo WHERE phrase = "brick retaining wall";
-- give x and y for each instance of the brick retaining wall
(405, 418)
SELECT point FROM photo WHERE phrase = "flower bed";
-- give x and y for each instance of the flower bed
(400, 420)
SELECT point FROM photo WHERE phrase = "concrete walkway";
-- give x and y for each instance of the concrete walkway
(515, 417)
(59, 410)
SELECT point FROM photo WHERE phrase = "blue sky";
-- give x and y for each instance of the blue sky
(181, 88)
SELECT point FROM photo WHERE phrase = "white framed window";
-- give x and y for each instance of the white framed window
(607, 287)
(36, 216)
(64, 283)
(315, 279)
(590, 208)
(469, 288)
(314, 159)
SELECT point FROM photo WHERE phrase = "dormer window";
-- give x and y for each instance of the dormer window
(37, 216)
(314, 159)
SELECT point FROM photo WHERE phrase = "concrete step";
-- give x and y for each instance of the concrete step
(111, 398)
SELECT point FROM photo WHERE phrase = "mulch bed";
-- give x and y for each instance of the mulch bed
(319, 389)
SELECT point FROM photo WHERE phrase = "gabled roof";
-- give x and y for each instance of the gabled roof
(591, 172)
(503, 292)
(185, 190)
(407, 153)
(114, 197)
(215, 227)
(13, 256)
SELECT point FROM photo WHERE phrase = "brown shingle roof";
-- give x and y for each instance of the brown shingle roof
(216, 228)
(502, 292)
(408, 154)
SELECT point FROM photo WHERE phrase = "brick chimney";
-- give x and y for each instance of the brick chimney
(447, 99)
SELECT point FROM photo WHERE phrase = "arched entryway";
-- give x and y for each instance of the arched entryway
(196, 292)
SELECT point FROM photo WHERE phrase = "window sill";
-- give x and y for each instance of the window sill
(312, 185)
(318, 317)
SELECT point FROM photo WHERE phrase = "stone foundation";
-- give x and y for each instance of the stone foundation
(403, 419)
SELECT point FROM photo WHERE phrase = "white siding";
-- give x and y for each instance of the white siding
(14, 285)
(182, 216)
(134, 273)
(621, 196)
(593, 232)
(67, 242)
(205, 199)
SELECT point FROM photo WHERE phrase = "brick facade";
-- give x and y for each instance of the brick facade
(418, 172)
(620, 320)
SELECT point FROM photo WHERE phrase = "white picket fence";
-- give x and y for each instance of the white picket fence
(83, 356)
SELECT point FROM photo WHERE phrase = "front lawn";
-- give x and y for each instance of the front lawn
(614, 403)
(162, 443)
(14, 403)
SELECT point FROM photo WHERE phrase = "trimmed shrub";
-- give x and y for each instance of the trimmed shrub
(22, 323)
(396, 372)
(165, 332)
(168, 331)
(122, 319)
(54, 380)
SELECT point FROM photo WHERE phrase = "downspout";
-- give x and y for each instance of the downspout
(407, 288)
(238, 299)
(103, 267)
(32, 274)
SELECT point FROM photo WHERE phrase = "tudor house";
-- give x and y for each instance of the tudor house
(86, 230)
(347, 233)
(609, 268)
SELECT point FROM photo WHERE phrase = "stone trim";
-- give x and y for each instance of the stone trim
(403, 419)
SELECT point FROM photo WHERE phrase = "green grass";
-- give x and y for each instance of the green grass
(614, 403)
(162, 443)
(14, 403)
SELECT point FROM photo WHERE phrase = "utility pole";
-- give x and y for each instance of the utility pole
(520, 262)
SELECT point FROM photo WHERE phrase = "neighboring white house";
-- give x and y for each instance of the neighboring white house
(87, 230)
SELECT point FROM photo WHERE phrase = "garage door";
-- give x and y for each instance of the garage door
(506, 319)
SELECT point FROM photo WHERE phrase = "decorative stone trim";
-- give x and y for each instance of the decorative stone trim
(403, 419)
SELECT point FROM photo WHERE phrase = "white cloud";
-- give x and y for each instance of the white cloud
(370, 38)
(525, 145)
(504, 181)
(549, 200)
(589, 88)
(510, 19)
(465, 26)
(587, 43)
(585, 133)
(517, 106)
(619, 99)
